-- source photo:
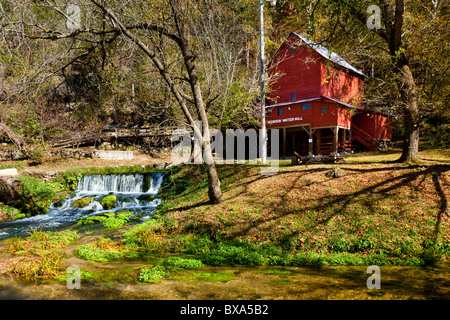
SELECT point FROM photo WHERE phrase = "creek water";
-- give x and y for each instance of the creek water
(136, 192)
(250, 283)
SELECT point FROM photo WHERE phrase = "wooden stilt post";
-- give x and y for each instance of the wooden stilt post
(350, 138)
(311, 141)
(319, 132)
(310, 133)
(344, 139)
(293, 142)
(336, 139)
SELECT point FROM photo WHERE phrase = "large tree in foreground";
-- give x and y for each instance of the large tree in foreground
(173, 27)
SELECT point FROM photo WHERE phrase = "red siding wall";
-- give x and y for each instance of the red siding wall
(344, 117)
(298, 72)
(292, 115)
(376, 124)
(336, 115)
(324, 119)
(309, 75)
(341, 85)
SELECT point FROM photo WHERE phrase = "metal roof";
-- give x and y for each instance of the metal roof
(324, 52)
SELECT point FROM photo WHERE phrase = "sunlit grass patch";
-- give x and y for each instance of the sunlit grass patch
(34, 268)
(40, 242)
(152, 275)
(102, 250)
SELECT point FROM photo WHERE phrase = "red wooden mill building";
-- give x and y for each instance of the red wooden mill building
(317, 102)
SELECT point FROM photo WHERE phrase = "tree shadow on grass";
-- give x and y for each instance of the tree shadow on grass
(327, 207)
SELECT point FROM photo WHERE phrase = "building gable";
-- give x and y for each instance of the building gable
(302, 70)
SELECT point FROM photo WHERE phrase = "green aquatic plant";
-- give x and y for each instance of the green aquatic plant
(153, 274)
(182, 263)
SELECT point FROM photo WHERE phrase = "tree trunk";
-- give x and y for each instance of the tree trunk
(10, 190)
(214, 190)
(18, 141)
(393, 17)
(408, 92)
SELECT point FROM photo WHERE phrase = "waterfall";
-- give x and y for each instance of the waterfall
(135, 192)
(122, 183)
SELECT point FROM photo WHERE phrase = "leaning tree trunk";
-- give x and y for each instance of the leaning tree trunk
(214, 190)
(18, 141)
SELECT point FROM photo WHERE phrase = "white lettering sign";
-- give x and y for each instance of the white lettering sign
(285, 120)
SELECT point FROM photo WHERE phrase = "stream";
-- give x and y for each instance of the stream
(136, 192)
(253, 283)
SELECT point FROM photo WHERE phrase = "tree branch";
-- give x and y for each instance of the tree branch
(158, 64)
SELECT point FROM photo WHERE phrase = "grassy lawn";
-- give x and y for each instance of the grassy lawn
(382, 210)
(379, 212)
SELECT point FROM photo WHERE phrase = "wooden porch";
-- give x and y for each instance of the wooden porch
(305, 140)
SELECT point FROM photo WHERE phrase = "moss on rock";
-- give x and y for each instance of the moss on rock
(147, 197)
(83, 202)
(109, 202)
(95, 219)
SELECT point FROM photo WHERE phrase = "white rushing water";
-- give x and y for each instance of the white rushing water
(136, 192)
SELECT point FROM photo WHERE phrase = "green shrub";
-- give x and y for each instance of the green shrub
(146, 237)
(234, 253)
(154, 274)
(91, 220)
(37, 156)
(431, 253)
(340, 259)
(38, 195)
(11, 212)
(191, 264)
(308, 259)
(70, 179)
(101, 217)
(196, 245)
(114, 222)
(270, 249)
(124, 214)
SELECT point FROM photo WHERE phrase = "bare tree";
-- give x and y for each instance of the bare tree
(179, 36)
